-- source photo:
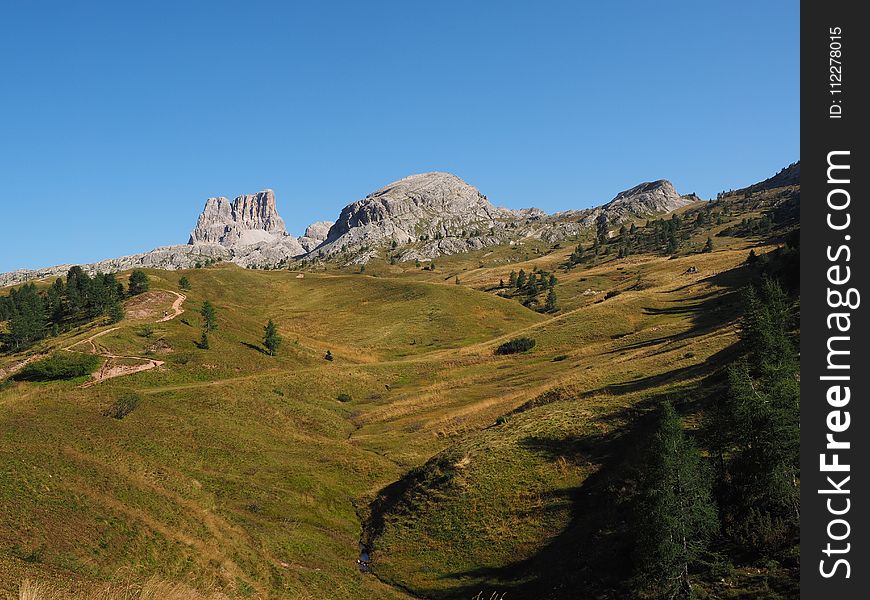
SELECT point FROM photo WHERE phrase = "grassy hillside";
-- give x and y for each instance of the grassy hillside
(234, 472)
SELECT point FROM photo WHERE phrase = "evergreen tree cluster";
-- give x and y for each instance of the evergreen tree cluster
(748, 490)
(532, 284)
(34, 314)
(754, 430)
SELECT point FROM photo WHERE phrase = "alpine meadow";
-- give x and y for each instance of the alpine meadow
(429, 397)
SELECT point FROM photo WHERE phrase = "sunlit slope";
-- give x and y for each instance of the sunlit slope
(502, 505)
(244, 473)
(235, 471)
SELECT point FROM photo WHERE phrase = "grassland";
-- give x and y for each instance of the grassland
(242, 474)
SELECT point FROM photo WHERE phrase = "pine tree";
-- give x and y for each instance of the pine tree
(521, 279)
(673, 243)
(138, 283)
(676, 517)
(512, 279)
(203, 341)
(184, 283)
(708, 247)
(115, 311)
(209, 317)
(271, 339)
(328, 356)
(550, 304)
(27, 323)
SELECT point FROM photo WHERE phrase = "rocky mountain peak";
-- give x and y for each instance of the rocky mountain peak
(645, 199)
(315, 234)
(413, 208)
(249, 219)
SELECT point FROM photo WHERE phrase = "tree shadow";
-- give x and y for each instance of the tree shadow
(259, 349)
(593, 556)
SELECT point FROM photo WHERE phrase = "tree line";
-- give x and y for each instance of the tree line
(744, 490)
(33, 314)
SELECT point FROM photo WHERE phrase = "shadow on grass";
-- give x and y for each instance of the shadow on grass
(593, 556)
(255, 347)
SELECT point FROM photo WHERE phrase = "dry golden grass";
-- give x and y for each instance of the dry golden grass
(151, 589)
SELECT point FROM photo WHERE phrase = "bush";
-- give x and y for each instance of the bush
(62, 365)
(560, 358)
(344, 398)
(516, 345)
(611, 294)
(123, 406)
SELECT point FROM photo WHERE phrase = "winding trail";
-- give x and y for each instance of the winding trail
(176, 306)
(109, 370)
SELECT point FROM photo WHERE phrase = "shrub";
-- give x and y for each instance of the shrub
(328, 355)
(560, 358)
(516, 345)
(62, 365)
(611, 294)
(123, 406)
(344, 397)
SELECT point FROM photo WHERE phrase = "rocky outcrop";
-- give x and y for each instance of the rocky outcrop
(644, 200)
(249, 219)
(419, 208)
(315, 234)
(249, 225)
(790, 175)
(433, 214)
(182, 256)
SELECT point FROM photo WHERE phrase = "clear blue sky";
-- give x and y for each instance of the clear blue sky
(118, 119)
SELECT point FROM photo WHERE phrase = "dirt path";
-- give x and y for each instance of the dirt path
(108, 370)
(176, 307)
(111, 368)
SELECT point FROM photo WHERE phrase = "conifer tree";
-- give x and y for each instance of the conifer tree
(550, 304)
(115, 311)
(184, 283)
(138, 283)
(708, 247)
(512, 279)
(521, 279)
(676, 517)
(271, 338)
(209, 317)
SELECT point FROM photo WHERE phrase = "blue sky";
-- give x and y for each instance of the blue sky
(118, 119)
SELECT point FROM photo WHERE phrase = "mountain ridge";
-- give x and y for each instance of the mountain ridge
(421, 216)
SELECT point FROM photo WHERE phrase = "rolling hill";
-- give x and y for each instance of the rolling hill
(460, 472)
